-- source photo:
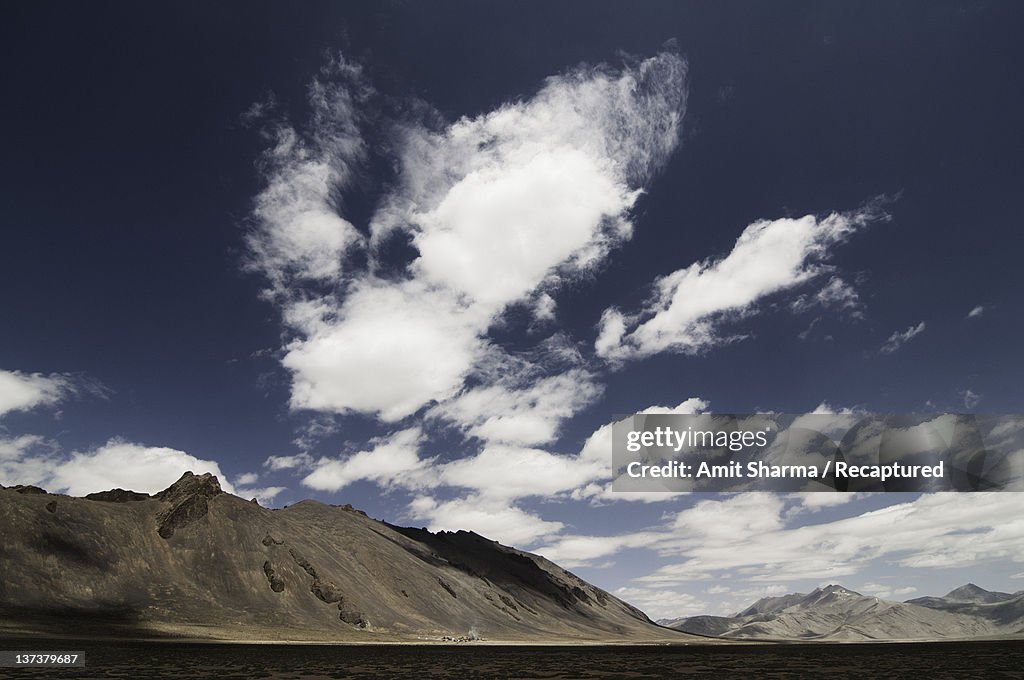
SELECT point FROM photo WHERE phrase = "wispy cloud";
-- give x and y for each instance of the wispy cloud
(298, 236)
(971, 398)
(900, 338)
(21, 391)
(976, 312)
(689, 307)
(837, 294)
(752, 537)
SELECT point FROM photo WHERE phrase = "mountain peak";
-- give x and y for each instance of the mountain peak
(967, 589)
(835, 589)
(189, 484)
(976, 595)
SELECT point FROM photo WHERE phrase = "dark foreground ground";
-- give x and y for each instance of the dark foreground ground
(138, 660)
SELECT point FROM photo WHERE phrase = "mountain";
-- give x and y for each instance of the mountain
(193, 561)
(1003, 610)
(968, 594)
(835, 613)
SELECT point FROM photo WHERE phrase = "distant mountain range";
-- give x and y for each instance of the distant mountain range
(195, 562)
(835, 613)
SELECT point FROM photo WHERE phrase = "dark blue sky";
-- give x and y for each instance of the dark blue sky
(129, 180)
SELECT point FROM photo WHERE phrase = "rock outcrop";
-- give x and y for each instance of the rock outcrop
(189, 498)
(117, 496)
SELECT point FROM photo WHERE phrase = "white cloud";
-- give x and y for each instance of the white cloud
(690, 304)
(837, 293)
(298, 236)
(500, 412)
(886, 591)
(751, 537)
(510, 472)
(24, 391)
(494, 518)
(514, 472)
(494, 206)
(264, 495)
(976, 312)
(392, 349)
(971, 398)
(577, 551)
(662, 603)
(898, 339)
(544, 308)
(26, 459)
(393, 460)
(31, 459)
(245, 487)
(121, 464)
(598, 448)
(247, 479)
(813, 502)
(301, 461)
(825, 408)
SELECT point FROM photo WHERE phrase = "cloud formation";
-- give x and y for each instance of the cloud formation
(492, 209)
(900, 338)
(837, 294)
(25, 391)
(116, 464)
(688, 306)
(393, 460)
(754, 537)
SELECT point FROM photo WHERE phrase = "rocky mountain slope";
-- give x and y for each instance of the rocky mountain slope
(837, 614)
(194, 561)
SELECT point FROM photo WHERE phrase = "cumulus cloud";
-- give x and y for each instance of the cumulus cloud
(688, 306)
(393, 349)
(900, 338)
(116, 464)
(126, 465)
(511, 472)
(504, 412)
(247, 479)
(393, 460)
(491, 208)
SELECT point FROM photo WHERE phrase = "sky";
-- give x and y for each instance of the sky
(417, 257)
